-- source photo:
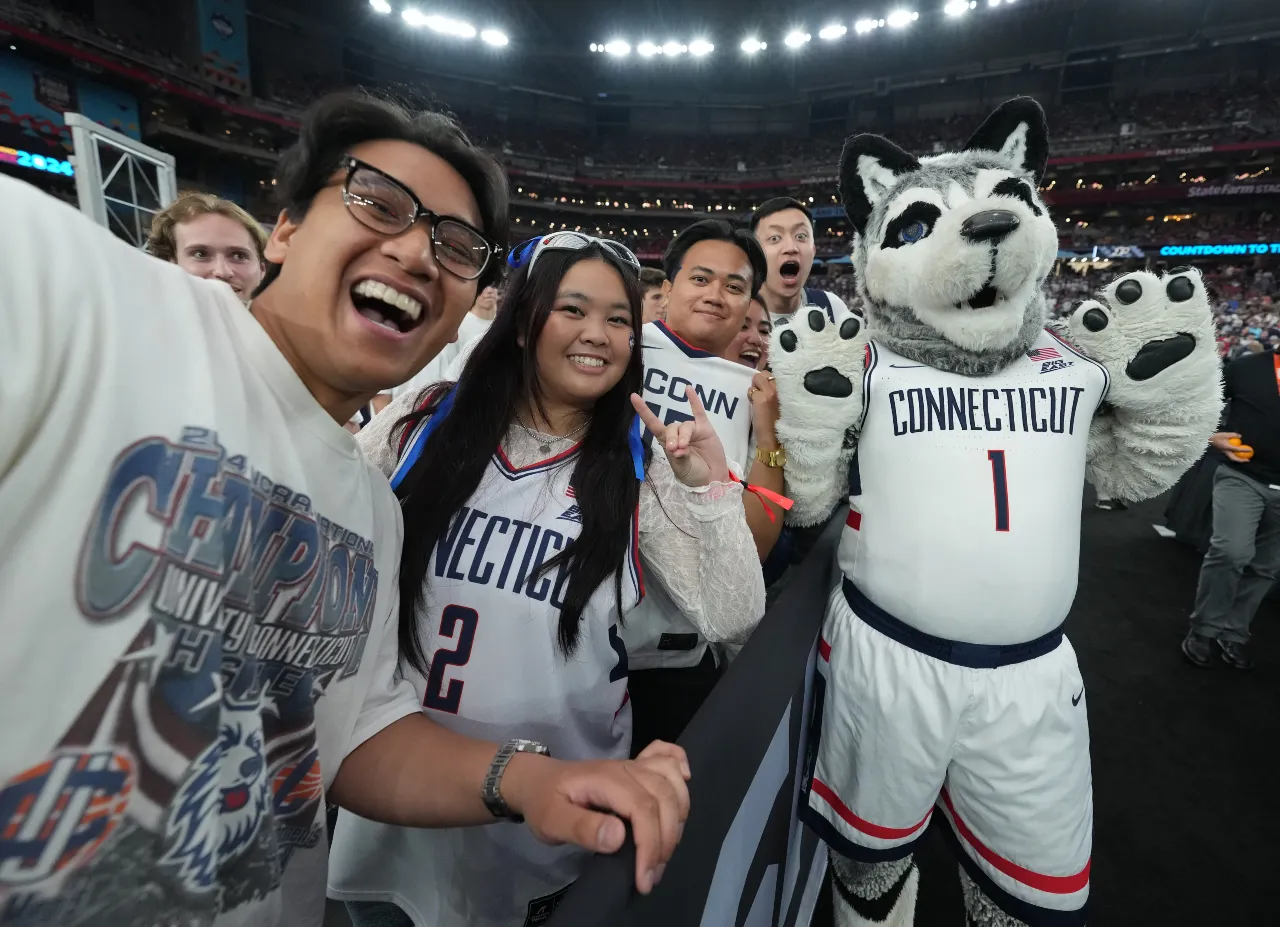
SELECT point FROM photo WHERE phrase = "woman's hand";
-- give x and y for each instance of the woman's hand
(693, 448)
(584, 802)
(763, 396)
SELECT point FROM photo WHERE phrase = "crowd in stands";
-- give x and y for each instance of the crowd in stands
(1182, 228)
(1245, 300)
(1131, 124)
(132, 49)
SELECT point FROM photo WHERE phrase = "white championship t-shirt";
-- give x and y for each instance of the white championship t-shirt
(966, 522)
(197, 594)
(658, 634)
(437, 369)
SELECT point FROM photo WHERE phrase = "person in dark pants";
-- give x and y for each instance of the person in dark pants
(1244, 552)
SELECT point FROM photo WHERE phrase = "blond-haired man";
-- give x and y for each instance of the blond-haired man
(213, 238)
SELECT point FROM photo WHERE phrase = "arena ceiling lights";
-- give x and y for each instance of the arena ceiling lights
(672, 48)
(795, 40)
(443, 25)
(700, 47)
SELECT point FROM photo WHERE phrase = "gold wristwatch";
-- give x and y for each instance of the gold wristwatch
(775, 458)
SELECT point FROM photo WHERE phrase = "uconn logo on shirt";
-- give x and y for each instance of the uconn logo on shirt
(946, 408)
(659, 385)
(506, 552)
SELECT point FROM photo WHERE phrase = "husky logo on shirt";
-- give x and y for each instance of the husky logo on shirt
(193, 769)
(211, 821)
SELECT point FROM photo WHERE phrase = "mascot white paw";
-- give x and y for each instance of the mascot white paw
(1155, 336)
(818, 364)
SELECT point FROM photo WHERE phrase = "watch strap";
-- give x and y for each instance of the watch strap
(491, 791)
(775, 458)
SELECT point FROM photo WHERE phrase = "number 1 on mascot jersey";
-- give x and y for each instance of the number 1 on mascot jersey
(1000, 487)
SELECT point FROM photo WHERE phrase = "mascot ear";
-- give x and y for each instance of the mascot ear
(869, 167)
(1018, 131)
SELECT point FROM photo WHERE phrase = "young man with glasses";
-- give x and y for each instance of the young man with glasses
(199, 566)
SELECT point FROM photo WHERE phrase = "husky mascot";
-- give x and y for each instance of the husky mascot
(963, 426)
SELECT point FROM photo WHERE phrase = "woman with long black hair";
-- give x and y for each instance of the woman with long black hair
(529, 500)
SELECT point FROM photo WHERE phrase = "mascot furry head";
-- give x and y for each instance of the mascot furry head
(953, 249)
(951, 256)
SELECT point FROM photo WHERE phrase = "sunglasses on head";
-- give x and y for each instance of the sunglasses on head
(527, 254)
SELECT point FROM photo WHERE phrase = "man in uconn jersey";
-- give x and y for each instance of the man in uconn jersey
(713, 270)
(944, 680)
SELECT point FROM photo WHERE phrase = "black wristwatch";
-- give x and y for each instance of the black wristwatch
(492, 789)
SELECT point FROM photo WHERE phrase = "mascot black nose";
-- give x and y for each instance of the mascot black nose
(992, 225)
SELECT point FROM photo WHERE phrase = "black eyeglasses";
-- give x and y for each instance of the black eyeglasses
(382, 203)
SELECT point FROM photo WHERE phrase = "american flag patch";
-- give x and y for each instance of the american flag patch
(570, 493)
(1043, 354)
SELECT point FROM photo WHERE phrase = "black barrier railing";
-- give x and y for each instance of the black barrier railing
(743, 859)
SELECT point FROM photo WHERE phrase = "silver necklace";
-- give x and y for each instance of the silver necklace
(544, 446)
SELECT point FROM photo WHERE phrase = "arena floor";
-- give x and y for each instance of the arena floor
(1185, 811)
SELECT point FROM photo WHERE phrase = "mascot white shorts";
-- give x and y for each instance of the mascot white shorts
(995, 738)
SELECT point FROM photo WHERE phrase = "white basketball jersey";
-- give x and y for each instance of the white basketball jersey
(497, 672)
(658, 634)
(966, 523)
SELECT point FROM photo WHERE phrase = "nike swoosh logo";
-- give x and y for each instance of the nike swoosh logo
(1075, 699)
(906, 366)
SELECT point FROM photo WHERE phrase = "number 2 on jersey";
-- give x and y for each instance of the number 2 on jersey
(1001, 486)
(463, 621)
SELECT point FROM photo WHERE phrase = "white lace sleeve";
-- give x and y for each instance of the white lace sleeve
(698, 545)
(380, 438)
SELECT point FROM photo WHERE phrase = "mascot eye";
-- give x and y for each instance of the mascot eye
(913, 224)
(913, 232)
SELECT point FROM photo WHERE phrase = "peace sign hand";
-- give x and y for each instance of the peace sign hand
(693, 448)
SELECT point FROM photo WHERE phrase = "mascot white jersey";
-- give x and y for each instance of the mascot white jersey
(935, 551)
(945, 680)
